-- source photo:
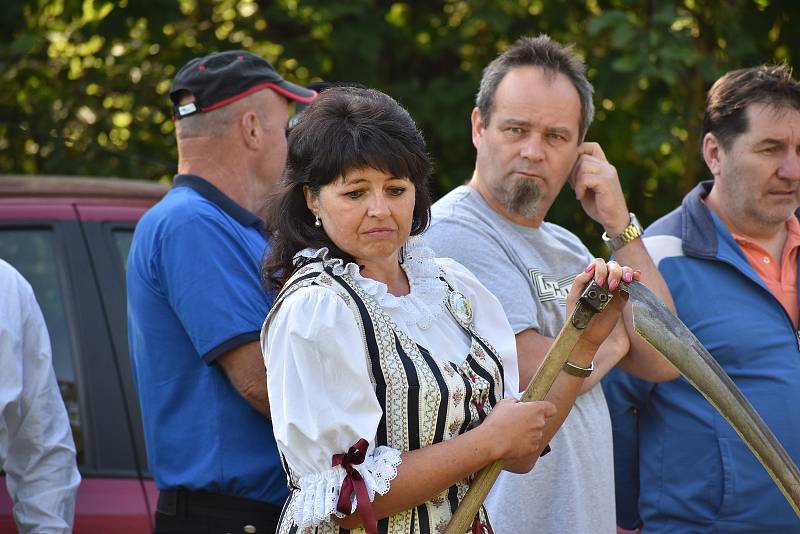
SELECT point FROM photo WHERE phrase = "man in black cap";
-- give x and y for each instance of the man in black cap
(196, 305)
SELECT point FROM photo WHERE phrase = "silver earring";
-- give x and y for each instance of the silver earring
(317, 222)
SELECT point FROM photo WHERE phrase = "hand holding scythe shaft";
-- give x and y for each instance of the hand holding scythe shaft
(592, 301)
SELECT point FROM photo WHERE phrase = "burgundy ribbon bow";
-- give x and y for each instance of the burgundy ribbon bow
(353, 482)
(479, 527)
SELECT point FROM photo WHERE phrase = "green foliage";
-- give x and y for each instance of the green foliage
(83, 83)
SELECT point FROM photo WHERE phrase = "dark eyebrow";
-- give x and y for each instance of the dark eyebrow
(515, 122)
(348, 181)
(354, 181)
(564, 132)
(770, 142)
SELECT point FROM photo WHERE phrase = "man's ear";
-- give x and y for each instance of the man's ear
(477, 126)
(250, 127)
(712, 153)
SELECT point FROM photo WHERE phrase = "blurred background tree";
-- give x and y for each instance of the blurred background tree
(84, 83)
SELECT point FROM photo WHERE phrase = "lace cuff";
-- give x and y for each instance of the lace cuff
(319, 492)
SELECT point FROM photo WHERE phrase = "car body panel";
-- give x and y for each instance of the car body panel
(72, 235)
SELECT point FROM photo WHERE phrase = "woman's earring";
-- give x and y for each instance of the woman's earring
(317, 222)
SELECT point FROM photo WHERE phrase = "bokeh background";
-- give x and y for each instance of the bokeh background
(84, 83)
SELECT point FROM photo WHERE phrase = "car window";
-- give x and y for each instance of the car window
(122, 239)
(32, 253)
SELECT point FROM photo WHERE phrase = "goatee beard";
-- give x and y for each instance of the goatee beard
(521, 198)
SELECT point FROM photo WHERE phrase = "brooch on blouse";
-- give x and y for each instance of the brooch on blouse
(460, 307)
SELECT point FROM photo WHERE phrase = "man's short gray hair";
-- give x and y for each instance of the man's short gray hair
(215, 123)
(542, 52)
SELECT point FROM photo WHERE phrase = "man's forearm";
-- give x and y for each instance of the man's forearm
(245, 369)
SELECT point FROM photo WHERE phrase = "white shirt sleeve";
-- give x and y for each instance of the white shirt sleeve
(322, 400)
(36, 447)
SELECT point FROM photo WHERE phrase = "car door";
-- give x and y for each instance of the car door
(53, 248)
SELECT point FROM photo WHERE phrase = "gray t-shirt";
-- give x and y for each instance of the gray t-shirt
(530, 270)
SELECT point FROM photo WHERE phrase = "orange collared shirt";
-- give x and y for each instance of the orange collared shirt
(780, 276)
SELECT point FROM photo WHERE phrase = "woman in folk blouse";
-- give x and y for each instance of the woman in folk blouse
(391, 373)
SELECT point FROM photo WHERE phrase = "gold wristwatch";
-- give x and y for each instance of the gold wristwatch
(631, 232)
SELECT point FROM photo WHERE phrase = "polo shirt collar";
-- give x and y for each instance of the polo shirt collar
(792, 234)
(210, 192)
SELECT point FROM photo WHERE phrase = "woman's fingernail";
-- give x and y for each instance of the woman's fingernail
(590, 267)
(599, 279)
(628, 276)
(612, 285)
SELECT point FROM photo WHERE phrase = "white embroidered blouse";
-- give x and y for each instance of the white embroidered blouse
(313, 344)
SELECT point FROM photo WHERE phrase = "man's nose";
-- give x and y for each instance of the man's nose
(533, 148)
(790, 167)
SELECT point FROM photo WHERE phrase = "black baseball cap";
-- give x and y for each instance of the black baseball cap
(221, 78)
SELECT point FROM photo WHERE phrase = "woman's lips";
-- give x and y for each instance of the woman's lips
(379, 232)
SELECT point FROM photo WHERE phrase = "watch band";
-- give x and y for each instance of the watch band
(575, 370)
(631, 232)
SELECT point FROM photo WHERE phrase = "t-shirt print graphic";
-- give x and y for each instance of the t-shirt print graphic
(550, 288)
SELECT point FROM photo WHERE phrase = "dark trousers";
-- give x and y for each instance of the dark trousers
(187, 512)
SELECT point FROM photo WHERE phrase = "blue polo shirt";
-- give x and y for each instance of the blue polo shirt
(194, 293)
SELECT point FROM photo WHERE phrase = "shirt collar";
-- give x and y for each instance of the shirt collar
(210, 192)
(793, 226)
(792, 237)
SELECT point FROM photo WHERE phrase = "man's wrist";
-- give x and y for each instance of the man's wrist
(630, 232)
(618, 226)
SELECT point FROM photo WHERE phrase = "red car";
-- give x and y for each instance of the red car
(69, 237)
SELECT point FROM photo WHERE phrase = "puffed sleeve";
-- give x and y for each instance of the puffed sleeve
(322, 400)
(490, 320)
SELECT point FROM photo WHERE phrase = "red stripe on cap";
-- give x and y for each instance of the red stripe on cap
(298, 98)
(268, 85)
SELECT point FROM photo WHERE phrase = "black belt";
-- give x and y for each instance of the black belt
(181, 501)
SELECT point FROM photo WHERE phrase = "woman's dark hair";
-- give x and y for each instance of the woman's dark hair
(344, 129)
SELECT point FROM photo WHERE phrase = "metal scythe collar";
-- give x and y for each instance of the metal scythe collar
(593, 300)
